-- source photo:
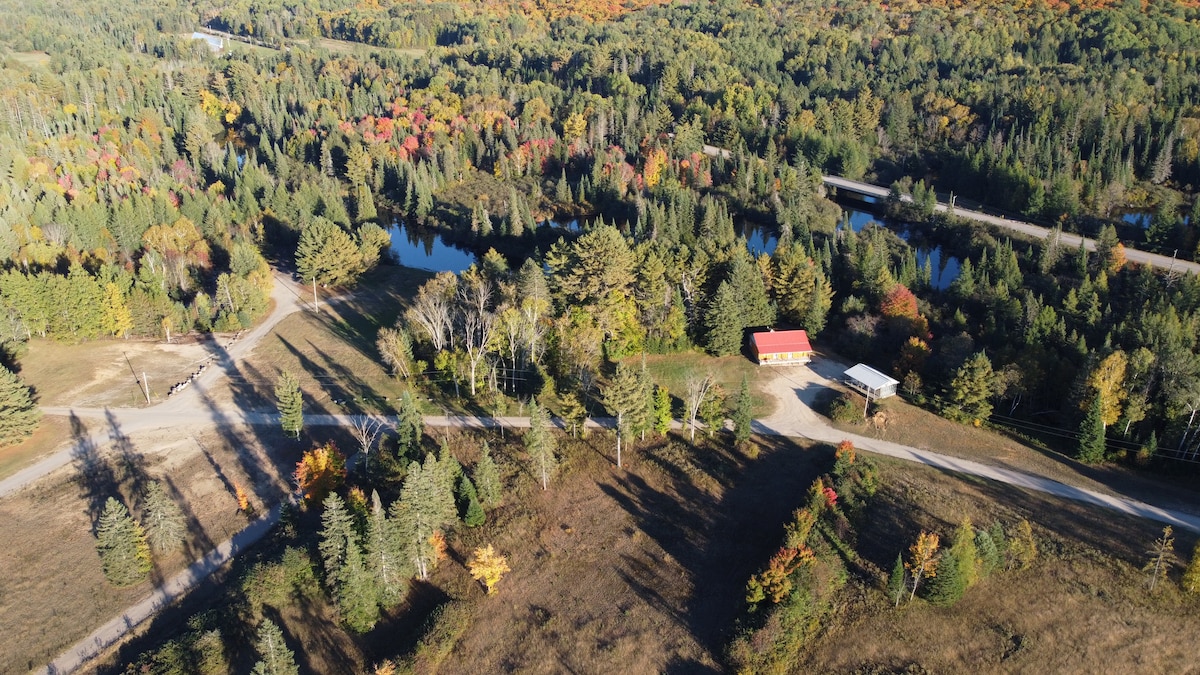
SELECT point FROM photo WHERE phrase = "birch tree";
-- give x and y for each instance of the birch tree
(696, 388)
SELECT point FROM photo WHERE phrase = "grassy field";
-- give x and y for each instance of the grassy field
(672, 371)
(48, 437)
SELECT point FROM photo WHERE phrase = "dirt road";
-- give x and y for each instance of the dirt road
(796, 388)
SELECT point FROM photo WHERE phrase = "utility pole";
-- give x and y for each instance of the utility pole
(146, 387)
(316, 305)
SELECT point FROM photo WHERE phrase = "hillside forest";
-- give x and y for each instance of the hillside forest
(150, 181)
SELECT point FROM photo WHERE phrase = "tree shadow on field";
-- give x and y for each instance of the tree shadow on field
(97, 480)
(197, 543)
(719, 540)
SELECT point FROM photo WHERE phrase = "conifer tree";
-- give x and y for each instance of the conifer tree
(352, 583)
(19, 416)
(468, 503)
(425, 506)
(1091, 434)
(291, 404)
(574, 414)
(163, 519)
(410, 426)
(1021, 546)
(328, 254)
(121, 543)
(1191, 575)
(897, 582)
(487, 479)
(623, 397)
(274, 656)
(385, 558)
(540, 444)
(972, 389)
(1162, 558)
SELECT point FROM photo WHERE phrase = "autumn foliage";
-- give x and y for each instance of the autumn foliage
(487, 566)
(775, 582)
(321, 471)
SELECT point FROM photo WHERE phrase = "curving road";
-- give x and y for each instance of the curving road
(1162, 262)
(794, 388)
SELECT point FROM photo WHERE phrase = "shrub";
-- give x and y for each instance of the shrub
(845, 410)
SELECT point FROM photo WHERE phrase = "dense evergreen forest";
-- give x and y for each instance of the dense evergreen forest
(150, 180)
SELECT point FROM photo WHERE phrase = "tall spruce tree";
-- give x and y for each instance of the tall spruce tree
(162, 519)
(345, 570)
(1091, 434)
(121, 543)
(19, 416)
(468, 503)
(291, 404)
(897, 582)
(487, 479)
(540, 444)
(385, 557)
(274, 656)
(425, 506)
(623, 398)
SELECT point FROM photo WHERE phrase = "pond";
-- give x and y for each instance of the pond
(944, 268)
(425, 250)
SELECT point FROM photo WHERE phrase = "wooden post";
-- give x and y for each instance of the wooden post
(316, 305)
(146, 387)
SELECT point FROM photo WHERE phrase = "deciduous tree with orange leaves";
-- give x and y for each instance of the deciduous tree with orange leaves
(320, 472)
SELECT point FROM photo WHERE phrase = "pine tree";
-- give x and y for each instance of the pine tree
(1162, 558)
(275, 657)
(468, 503)
(989, 555)
(410, 426)
(162, 518)
(948, 586)
(897, 582)
(425, 506)
(487, 479)
(1191, 575)
(540, 444)
(1091, 434)
(1021, 547)
(121, 543)
(743, 417)
(573, 414)
(19, 416)
(385, 558)
(352, 583)
(623, 397)
(328, 254)
(291, 404)
(972, 389)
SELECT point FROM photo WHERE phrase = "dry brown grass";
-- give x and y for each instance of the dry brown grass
(108, 372)
(332, 353)
(48, 438)
(54, 592)
(919, 428)
(1081, 608)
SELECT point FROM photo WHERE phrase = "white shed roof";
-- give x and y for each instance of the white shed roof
(869, 377)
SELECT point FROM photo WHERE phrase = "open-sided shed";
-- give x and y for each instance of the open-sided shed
(871, 382)
(781, 347)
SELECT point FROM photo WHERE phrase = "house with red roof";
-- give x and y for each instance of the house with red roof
(781, 347)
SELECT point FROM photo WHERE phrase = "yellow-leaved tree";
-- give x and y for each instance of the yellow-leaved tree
(320, 472)
(487, 566)
(923, 560)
